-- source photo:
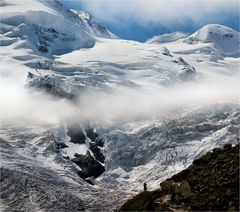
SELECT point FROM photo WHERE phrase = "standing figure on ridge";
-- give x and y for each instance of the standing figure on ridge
(145, 186)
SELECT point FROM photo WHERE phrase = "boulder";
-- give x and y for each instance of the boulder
(185, 189)
(227, 146)
(168, 187)
(166, 200)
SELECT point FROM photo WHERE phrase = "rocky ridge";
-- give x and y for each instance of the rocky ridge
(211, 183)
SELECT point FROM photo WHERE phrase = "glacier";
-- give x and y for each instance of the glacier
(142, 111)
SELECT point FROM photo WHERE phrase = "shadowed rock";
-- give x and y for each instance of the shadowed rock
(90, 167)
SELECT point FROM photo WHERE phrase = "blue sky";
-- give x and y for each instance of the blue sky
(142, 19)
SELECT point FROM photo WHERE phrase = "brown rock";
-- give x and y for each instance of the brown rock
(185, 189)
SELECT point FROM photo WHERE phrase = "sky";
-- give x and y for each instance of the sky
(142, 19)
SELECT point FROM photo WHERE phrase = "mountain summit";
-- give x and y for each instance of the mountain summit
(224, 39)
(47, 27)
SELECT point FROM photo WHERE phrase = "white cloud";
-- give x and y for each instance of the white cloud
(162, 12)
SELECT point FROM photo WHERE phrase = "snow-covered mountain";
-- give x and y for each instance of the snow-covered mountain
(81, 108)
(214, 40)
(167, 37)
(224, 39)
(92, 26)
(47, 27)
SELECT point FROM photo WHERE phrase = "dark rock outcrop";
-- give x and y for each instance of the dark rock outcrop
(90, 133)
(76, 134)
(99, 142)
(90, 166)
(97, 152)
(187, 72)
(61, 145)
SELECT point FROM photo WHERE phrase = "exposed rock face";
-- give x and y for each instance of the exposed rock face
(91, 25)
(90, 166)
(187, 72)
(166, 52)
(99, 142)
(76, 134)
(97, 152)
(210, 184)
(91, 134)
(51, 84)
(47, 36)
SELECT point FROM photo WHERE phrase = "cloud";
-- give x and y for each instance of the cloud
(19, 104)
(164, 12)
(156, 102)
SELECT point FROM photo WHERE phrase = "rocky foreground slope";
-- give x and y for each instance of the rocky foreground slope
(211, 183)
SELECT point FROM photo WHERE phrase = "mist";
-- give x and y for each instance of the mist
(141, 104)
(19, 103)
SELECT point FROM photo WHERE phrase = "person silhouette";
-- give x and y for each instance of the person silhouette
(145, 186)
